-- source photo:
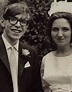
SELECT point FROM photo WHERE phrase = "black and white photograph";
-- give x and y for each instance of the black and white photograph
(35, 45)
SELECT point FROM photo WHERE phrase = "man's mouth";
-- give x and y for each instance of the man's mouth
(16, 30)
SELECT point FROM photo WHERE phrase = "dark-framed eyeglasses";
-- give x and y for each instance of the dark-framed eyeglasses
(14, 20)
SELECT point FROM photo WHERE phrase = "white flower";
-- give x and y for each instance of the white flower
(25, 52)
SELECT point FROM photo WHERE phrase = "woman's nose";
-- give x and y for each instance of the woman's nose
(60, 33)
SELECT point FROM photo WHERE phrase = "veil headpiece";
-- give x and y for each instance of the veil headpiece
(61, 6)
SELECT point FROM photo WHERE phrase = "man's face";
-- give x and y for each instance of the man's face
(15, 27)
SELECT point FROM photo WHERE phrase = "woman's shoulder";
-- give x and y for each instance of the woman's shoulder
(48, 55)
(48, 58)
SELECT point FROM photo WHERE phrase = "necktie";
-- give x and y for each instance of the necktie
(13, 67)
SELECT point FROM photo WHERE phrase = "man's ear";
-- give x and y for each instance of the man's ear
(2, 21)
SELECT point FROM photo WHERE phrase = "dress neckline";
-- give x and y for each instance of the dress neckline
(61, 56)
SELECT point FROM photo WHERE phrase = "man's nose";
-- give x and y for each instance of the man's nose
(18, 24)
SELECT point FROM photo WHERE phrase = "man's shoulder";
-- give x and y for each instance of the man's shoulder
(29, 49)
(25, 45)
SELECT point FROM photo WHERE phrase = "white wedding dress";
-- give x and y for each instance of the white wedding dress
(58, 72)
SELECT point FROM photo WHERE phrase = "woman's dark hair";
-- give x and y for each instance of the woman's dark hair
(52, 18)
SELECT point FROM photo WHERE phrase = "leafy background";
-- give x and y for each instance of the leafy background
(36, 33)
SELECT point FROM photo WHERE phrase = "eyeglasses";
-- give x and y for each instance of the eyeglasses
(23, 22)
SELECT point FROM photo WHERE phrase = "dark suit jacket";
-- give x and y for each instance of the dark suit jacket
(29, 79)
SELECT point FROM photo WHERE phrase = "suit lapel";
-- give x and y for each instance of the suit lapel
(4, 57)
(22, 60)
(3, 54)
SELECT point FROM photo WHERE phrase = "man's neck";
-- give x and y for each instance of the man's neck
(11, 41)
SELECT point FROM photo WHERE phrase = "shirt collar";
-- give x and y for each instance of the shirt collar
(8, 45)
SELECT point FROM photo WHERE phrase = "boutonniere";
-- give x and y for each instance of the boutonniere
(25, 52)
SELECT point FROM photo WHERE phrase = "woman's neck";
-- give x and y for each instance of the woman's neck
(67, 50)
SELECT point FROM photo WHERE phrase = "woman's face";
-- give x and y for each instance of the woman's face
(61, 32)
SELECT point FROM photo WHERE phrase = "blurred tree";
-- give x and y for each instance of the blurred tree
(36, 33)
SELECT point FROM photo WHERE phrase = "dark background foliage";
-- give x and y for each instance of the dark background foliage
(36, 33)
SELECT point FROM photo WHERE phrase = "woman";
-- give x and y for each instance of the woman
(58, 63)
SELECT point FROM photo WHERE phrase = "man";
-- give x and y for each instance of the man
(19, 66)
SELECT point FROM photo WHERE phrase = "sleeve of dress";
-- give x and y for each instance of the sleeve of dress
(44, 83)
